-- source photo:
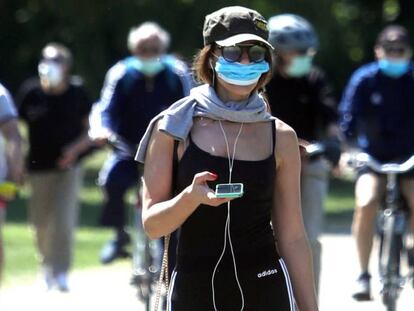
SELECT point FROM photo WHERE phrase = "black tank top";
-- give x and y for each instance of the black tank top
(201, 236)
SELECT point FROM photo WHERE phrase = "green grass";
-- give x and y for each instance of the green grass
(339, 206)
(21, 258)
(340, 201)
(21, 263)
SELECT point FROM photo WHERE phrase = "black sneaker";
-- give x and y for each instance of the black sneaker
(363, 288)
(115, 249)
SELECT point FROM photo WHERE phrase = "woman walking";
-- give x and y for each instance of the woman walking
(233, 254)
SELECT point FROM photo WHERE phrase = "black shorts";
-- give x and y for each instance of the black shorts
(264, 288)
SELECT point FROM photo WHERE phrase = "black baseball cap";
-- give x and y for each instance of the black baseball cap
(393, 35)
(234, 24)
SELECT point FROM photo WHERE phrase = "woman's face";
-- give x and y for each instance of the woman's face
(241, 90)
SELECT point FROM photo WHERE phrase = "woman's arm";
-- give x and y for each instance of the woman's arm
(287, 219)
(162, 214)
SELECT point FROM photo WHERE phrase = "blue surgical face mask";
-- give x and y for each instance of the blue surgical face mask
(150, 67)
(240, 74)
(300, 66)
(393, 68)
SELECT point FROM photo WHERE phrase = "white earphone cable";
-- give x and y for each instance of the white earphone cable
(227, 225)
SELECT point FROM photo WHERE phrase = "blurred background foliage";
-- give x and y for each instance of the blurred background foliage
(96, 30)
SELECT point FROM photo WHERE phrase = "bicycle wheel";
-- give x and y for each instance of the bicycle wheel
(142, 277)
(390, 303)
(391, 244)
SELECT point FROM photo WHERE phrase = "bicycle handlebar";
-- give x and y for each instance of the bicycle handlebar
(315, 149)
(364, 159)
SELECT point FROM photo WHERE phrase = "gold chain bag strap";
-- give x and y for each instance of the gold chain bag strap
(163, 279)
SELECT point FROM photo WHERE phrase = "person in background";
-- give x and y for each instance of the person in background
(377, 114)
(55, 107)
(300, 95)
(11, 159)
(135, 90)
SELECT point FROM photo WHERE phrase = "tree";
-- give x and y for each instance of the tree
(96, 31)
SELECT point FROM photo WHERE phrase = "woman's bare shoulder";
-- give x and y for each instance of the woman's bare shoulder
(285, 135)
(160, 142)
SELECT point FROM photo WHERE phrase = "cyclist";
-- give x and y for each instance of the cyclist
(377, 114)
(135, 90)
(55, 108)
(299, 94)
(227, 256)
(11, 160)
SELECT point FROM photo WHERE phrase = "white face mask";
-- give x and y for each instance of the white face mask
(51, 72)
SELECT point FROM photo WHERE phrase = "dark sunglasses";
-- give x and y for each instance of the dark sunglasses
(233, 53)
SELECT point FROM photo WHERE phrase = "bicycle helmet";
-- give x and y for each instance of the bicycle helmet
(290, 32)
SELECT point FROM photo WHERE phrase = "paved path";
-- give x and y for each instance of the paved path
(102, 289)
(107, 289)
(338, 277)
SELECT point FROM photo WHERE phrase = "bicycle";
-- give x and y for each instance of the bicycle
(145, 262)
(391, 225)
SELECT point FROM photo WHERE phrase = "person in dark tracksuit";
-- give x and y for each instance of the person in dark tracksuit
(135, 90)
(300, 95)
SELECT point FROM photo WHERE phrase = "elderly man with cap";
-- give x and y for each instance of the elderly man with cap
(377, 114)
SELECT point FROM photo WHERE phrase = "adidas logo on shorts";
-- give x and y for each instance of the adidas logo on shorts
(266, 273)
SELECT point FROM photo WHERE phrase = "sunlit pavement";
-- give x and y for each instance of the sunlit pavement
(103, 289)
(339, 272)
(107, 288)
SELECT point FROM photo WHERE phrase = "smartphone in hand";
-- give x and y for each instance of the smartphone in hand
(229, 191)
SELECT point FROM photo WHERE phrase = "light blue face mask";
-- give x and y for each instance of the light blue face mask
(393, 68)
(150, 67)
(300, 66)
(240, 74)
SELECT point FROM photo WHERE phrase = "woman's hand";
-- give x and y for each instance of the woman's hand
(201, 193)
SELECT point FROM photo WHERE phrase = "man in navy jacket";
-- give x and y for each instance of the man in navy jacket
(136, 89)
(377, 113)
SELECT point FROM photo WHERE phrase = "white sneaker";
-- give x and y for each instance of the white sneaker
(47, 280)
(62, 281)
(362, 290)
